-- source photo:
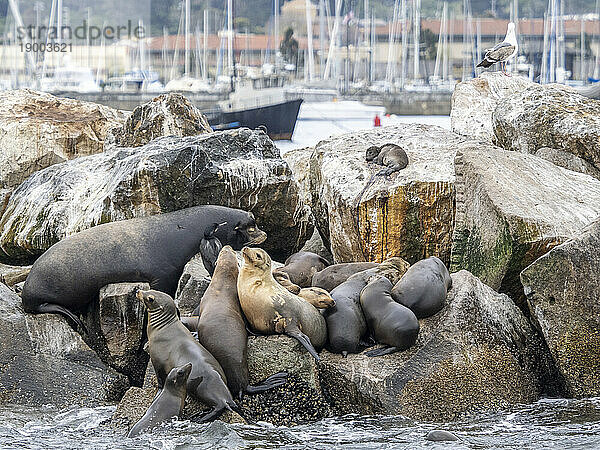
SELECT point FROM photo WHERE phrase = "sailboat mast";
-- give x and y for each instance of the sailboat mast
(275, 28)
(445, 43)
(205, 38)
(309, 38)
(416, 36)
(187, 38)
(321, 35)
(230, 37)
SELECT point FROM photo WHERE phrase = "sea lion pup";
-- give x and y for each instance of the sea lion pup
(391, 156)
(346, 324)
(168, 403)
(317, 297)
(272, 309)
(222, 330)
(390, 323)
(424, 287)
(67, 278)
(301, 267)
(331, 277)
(210, 246)
(284, 279)
(170, 345)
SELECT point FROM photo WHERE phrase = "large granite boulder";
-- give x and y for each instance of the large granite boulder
(43, 361)
(511, 208)
(365, 217)
(240, 169)
(115, 329)
(192, 285)
(39, 130)
(11, 275)
(568, 161)
(564, 303)
(479, 352)
(549, 117)
(166, 115)
(474, 102)
(298, 401)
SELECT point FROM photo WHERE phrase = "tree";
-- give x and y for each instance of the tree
(289, 47)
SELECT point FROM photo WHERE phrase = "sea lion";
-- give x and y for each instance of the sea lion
(392, 156)
(222, 330)
(272, 309)
(170, 344)
(68, 277)
(210, 246)
(424, 287)
(441, 436)
(390, 323)
(346, 324)
(168, 403)
(317, 297)
(331, 277)
(284, 279)
(301, 267)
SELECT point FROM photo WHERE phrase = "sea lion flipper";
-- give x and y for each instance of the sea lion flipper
(276, 380)
(292, 330)
(53, 308)
(381, 351)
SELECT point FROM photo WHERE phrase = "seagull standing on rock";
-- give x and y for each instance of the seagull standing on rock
(502, 52)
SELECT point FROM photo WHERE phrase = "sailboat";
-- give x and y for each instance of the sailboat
(253, 101)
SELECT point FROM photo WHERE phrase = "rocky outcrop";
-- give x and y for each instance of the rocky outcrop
(43, 361)
(512, 208)
(563, 300)
(166, 115)
(363, 216)
(39, 130)
(240, 169)
(11, 275)
(479, 352)
(192, 285)
(549, 117)
(568, 161)
(474, 102)
(298, 401)
(116, 330)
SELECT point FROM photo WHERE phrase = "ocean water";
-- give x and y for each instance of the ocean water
(318, 121)
(547, 424)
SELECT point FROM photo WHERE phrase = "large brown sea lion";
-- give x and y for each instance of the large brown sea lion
(68, 277)
(331, 277)
(272, 309)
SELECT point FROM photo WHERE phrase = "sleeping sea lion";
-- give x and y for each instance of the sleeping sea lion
(301, 267)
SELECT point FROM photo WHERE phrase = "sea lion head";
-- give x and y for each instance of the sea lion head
(160, 306)
(256, 259)
(372, 153)
(317, 297)
(245, 232)
(178, 376)
(227, 255)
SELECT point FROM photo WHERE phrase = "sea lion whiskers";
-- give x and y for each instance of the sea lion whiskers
(158, 316)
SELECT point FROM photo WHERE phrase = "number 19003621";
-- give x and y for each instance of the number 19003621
(41, 47)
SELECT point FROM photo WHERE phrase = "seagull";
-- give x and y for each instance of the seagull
(502, 52)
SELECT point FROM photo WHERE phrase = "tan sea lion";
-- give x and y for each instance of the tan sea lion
(317, 297)
(284, 279)
(272, 309)
(222, 330)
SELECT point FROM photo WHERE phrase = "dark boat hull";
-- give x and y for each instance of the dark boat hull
(279, 119)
